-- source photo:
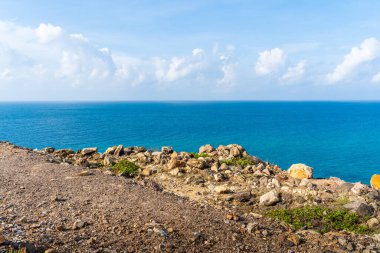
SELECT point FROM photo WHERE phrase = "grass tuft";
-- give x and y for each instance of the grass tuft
(321, 219)
(126, 168)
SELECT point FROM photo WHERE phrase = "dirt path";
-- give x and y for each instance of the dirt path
(49, 206)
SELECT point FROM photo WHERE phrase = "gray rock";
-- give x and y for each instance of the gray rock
(361, 208)
(270, 198)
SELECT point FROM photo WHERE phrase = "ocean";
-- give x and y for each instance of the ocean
(339, 139)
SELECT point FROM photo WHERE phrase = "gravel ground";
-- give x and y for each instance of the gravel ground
(50, 206)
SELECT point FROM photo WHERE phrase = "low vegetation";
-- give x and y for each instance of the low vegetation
(126, 168)
(321, 219)
(243, 161)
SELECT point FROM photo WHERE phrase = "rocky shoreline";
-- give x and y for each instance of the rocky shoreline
(247, 189)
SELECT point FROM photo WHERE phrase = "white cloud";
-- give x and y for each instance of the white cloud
(294, 73)
(269, 61)
(71, 60)
(179, 67)
(48, 32)
(366, 52)
(228, 67)
(376, 78)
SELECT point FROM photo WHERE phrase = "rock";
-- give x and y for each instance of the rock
(222, 189)
(224, 166)
(251, 227)
(206, 149)
(360, 207)
(175, 163)
(375, 182)
(373, 222)
(78, 224)
(110, 151)
(232, 216)
(215, 167)
(270, 198)
(147, 172)
(256, 215)
(359, 189)
(196, 163)
(218, 177)
(64, 152)
(300, 171)
(242, 196)
(109, 161)
(82, 162)
(160, 231)
(119, 151)
(346, 187)
(234, 151)
(84, 173)
(167, 150)
(174, 172)
(294, 239)
(89, 151)
(374, 195)
(48, 150)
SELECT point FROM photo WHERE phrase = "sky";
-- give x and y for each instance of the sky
(189, 50)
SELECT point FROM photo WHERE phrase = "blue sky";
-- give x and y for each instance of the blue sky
(189, 50)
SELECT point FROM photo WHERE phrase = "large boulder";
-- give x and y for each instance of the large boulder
(300, 171)
(206, 149)
(270, 198)
(89, 151)
(375, 182)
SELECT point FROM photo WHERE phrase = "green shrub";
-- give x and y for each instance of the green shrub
(321, 219)
(126, 168)
(243, 161)
(197, 155)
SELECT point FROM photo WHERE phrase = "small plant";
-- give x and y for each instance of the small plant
(321, 219)
(342, 201)
(197, 155)
(243, 161)
(125, 168)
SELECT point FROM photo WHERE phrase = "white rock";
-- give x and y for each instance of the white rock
(270, 198)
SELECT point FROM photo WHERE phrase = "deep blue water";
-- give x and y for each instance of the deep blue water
(336, 138)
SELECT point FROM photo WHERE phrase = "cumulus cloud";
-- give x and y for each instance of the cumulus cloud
(294, 73)
(49, 57)
(269, 61)
(48, 32)
(179, 67)
(368, 50)
(32, 54)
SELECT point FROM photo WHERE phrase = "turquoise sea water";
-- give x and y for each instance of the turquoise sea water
(336, 138)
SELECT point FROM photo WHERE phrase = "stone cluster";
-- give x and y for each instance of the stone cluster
(228, 176)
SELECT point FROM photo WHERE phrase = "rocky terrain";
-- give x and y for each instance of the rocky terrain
(129, 199)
